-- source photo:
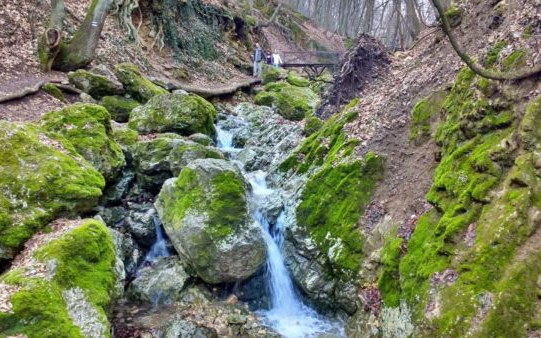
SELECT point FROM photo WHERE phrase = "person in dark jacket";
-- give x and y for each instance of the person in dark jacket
(258, 57)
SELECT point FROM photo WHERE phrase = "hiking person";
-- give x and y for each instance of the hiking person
(268, 57)
(276, 59)
(258, 57)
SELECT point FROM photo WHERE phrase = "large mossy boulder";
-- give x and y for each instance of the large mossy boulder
(161, 158)
(88, 128)
(95, 85)
(266, 98)
(178, 113)
(270, 74)
(205, 213)
(62, 286)
(41, 178)
(295, 103)
(296, 80)
(138, 86)
(119, 107)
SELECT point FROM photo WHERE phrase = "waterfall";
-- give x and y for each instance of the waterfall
(159, 248)
(288, 315)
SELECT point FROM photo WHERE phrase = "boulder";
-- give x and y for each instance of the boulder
(88, 128)
(141, 224)
(265, 98)
(178, 113)
(119, 107)
(202, 139)
(139, 87)
(93, 84)
(183, 154)
(270, 74)
(40, 178)
(127, 251)
(63, 285)
(160, 283)
(294, 103)
(296, 80)
(205, 213)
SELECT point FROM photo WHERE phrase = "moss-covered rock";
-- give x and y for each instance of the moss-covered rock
(265, 98)
(179, 113)
(64, 287)
(202, 139)
(183, 154)
(139, 87)
(332, 204)
(88, 128)
(54, 91)
(40, 179)
(295, 103)
(95, 85)
(424, 113)
(270, 74)
(329, 144)
(296, 80)
(275, 86)
(205, 213)
(312, 125)
(125, 137)
(119, 107)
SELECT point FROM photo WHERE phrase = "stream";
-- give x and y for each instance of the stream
(288, 314)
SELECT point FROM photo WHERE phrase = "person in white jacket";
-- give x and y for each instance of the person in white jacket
(276, 59)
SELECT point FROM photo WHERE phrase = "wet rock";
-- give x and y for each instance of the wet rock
(142, 226)
(160, 283)
(116, 192)
(127, 251)
(114, 217)
(202, 139)
(181, 155)
(183, 114)
(204, 211)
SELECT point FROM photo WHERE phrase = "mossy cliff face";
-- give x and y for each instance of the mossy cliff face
(40, 179)
(471, 266)
(88, 128)
(179, 113)
(63, 287)
(205, 213)
(135, 84)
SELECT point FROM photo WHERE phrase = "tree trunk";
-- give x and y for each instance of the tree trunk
(79, 51)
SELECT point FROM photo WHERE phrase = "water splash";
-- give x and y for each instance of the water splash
(159, 248)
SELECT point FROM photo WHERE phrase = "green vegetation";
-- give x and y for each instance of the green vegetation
(41, 178)
(139, 87)
(312, 125)
(95, 85)
(298, 81)
(270, 74)
(265, 98)
(494, 53)
(54, 91)
(85, 259)
(295, 103)
(119, 107)
(88, 128)
(515, 60)
(328, 144)
(332, 202)
(423, 113)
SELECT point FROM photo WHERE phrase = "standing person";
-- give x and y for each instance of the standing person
(258, 57)
(276, 59)
(268, 58)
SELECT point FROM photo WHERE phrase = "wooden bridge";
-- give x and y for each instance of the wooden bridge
(312, 63)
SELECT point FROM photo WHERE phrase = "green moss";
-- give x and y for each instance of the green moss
(270, 74)
(389, 280)
(295, 103)
(494, 53)
(515, 60)
(181, 155)
(275, 86)
(530, 126)
(125, 137)
(85, 259)
(54, 91)
(312, 125)
(423, 113)
(40, 179)
(298, 81)
(327, 145)
(265, 98)
(139, 87)
(527, 33)
(453, 12)
(332, 203)
(119, 107)
(227, 208)
(183, 114)
(88, 128)
(95, 85)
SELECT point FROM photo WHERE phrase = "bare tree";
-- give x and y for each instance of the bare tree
(79, 51)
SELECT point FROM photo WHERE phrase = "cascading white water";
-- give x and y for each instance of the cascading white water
(159, 248)
(289, 316)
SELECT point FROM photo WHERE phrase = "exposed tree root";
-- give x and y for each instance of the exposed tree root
(214, 92)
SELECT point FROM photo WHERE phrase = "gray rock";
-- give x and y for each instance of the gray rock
(94, 84)
(205, 214)
(114, 217)
(160, 283)
(127, 251)
(115, 193)
(202, 139)
(181, 155)
(142, 225)
(83, 314)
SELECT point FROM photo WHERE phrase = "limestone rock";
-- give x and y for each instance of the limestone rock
(93, 84)
(294, 103)
(183, 114)
(204, 211)
(88, 128)
(160, 283)
(40, 178)
(139, 87)
(202, 139)
(119, 107)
